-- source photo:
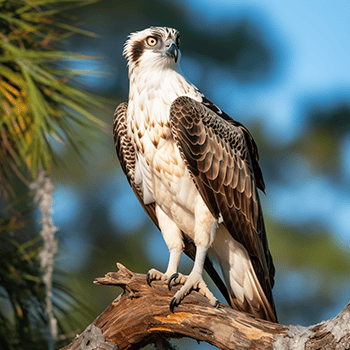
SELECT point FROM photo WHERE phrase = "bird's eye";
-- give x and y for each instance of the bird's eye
(151, 41)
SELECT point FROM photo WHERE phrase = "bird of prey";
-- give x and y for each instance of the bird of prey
(195, 171)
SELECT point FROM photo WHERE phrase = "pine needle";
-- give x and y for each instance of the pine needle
(38, 98)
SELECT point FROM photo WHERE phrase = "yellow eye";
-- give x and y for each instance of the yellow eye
(152, 41)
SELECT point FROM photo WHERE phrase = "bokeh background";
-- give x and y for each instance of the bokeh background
(282, 68)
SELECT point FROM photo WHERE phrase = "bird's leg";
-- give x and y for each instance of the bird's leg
(204, 234)
(173, 239)
(193, 281)
(174, 260)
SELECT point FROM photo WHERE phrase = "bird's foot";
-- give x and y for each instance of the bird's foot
(193, 281)
(155, 275)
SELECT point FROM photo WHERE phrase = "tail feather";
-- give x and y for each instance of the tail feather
(254, 300)
(245, 291)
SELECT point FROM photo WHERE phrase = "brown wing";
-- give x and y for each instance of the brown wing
(127, 158)
(219, 153)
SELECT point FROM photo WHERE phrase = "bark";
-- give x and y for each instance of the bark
(141, 315)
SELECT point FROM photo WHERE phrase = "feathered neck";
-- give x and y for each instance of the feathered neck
(154, 86)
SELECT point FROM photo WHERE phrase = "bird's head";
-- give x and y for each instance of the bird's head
(153, 47)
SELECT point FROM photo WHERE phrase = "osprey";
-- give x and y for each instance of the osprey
(195, 171)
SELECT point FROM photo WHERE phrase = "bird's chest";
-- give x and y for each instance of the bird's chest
(159, 170)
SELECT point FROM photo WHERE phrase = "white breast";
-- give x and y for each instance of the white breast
(159, 170)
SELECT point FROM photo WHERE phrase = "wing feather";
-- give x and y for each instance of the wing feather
(127, 157)
(225, 169)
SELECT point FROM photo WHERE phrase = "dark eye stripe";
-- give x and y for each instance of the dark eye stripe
(137, 50)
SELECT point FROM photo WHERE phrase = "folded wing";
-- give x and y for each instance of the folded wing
(222, 159)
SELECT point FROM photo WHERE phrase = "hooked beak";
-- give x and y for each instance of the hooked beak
(172, 51)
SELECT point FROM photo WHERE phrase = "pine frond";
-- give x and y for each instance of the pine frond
(39, 100)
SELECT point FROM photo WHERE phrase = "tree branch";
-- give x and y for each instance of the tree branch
(141, 315)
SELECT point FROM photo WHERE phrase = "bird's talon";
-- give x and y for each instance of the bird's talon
(148, 279)
(173, 303)
(173, 277)
(217, 304)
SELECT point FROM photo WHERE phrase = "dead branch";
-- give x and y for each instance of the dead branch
(141, 315)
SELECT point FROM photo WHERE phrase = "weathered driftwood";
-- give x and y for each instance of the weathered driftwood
(141, 315)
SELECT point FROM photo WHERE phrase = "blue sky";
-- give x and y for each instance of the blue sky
(314, 37)
(314, 32)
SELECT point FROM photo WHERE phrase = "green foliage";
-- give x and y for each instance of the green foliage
(316, 249)
(23, 322)
(39, 100)
(328, 128)
(22, 293)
